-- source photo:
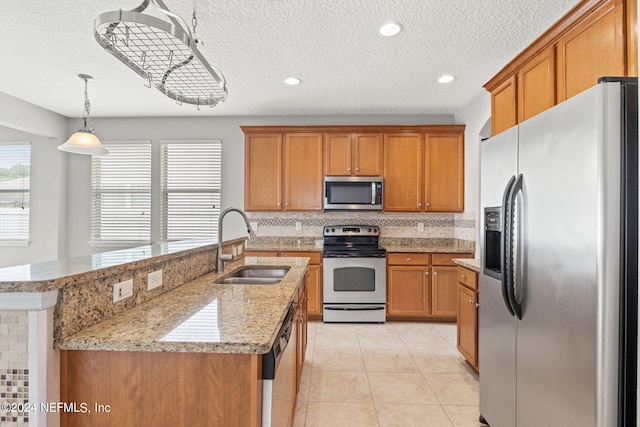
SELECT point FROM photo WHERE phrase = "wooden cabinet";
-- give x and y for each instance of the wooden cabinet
(314, 278)
(596, 38)
(403, 159)
(504, 112)
(593, 48)
(421, 285)
(424, 172)
(536, 82)
(263, 172)
(303, 172)
(283, 171)
(358, 154)
(444, 172)
(467, 302)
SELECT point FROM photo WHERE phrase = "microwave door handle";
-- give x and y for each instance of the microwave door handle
(373, 192)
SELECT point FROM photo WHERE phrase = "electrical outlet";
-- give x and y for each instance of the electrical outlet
(122, 290)
(254, 225)
(154, 279)
(240, 249)
(298, 226)
(421, 226)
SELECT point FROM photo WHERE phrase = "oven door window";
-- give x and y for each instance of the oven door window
(354, 279)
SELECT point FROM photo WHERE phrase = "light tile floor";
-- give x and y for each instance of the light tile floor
(394, 374)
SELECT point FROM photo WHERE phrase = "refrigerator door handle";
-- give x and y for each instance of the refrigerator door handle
(512, 247)
(504, 245)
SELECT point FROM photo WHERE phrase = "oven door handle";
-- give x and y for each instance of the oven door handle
(347, 308)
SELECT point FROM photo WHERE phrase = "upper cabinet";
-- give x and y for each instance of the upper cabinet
(263, 172)
(422, 166)
(424, 172)
(358, 154)
(596, 38)
(278, 164)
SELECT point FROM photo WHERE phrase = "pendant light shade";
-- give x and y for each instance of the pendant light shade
(84, 141)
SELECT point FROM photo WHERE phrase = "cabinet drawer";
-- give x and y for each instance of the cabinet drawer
(408, 258)
(445, 259)
(314, 257)
(468, 278)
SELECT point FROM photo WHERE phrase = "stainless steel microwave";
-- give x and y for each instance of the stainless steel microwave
(353, 193)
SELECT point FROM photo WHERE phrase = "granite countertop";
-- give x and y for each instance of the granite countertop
(52, 275)
(201, 317)
(470, 263)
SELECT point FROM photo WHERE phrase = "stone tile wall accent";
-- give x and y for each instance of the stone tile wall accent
(84, 304)
(436, 225)
(14, 365)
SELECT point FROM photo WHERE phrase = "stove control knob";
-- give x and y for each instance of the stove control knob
(333, 230)
(369, 230)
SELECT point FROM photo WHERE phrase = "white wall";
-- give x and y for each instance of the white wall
(22, 121)
(475, 115)
(225, 128)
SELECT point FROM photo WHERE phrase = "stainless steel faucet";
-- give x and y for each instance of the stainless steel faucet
(228, 257)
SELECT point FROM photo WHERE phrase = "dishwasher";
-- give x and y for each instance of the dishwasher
(278, 376)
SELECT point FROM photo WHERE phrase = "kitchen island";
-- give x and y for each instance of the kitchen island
(192, 356)
(188, 337)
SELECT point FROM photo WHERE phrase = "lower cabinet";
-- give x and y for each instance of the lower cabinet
(314, 278)
(467, 301)
(422, 285)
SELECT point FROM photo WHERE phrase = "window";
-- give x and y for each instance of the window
(15, 165)
(121, 194)
(191, 182)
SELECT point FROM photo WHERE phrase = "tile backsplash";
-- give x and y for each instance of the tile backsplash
(435, 225)
(14, 365)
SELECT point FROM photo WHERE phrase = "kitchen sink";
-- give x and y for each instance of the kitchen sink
(256, 275)
(250, 280)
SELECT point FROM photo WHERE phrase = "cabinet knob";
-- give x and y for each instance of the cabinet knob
(286, 204)
(357, 169)
(408, 259)
(426, 204)
(435, 273)
(349, 169)
(463, 276)
(419, 204)
(477, 304)
(426, 273)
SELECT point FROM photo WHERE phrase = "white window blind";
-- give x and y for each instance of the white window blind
(191, 177)
(121, 193)
(15, 165)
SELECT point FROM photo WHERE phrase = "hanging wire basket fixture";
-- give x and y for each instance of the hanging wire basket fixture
(163, 52)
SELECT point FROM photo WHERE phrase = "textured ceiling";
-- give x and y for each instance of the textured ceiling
(333, 46)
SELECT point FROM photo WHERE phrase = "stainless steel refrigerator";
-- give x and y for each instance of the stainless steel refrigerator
(558, 287)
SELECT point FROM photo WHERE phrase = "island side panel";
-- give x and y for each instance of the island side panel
(178, 389)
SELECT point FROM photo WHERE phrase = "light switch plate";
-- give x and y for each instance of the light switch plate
(122, 290)
(154, 279)
(421, 226)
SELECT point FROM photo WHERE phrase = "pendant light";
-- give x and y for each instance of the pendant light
(84, 141)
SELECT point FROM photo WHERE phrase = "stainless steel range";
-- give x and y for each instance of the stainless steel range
(354, 274)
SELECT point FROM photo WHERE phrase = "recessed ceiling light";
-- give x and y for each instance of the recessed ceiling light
(446, 78)
(390, 29)
(292, 81)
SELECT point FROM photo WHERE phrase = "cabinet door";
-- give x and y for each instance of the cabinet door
(503, 106)
(444, 282)
(263, 171)
(407, 291)
(337, 154)
(444, 172)
(367, 154)
(314, 290)
(591, 49)
(468, 325)
(303, 171)
(537, 85)
(403, 172)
